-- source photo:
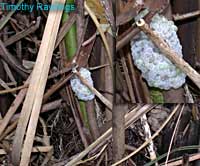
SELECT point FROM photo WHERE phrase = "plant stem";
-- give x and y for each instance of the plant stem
(71, 46)
(70, 38)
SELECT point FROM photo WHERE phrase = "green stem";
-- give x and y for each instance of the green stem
(70, 38)
(71, 46)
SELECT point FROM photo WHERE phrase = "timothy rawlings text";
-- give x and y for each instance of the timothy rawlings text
(37, 6)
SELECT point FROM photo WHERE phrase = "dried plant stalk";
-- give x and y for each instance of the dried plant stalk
(33, 100)
(40, 149)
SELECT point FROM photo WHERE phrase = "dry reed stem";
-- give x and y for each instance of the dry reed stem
(11, 90)
(33, 101)
(41, 149)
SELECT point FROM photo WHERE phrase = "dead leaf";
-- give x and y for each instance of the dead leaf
(98, 10)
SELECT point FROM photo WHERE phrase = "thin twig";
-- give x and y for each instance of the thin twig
(92, 15)
(46, 139)
(94, 157)
(9, 72)
(12, 61)
(8, 130)
(75, 110)
(89, 40)
(65, 28)
(188, 94)
(45, 108)
(4, 85)
(13, 89)
(55, 87)
(57, 73)
(173, 135)
(98, 67)
(41, 149)
(23, 33)
(179, 162)
(180, 17)
(7, 18)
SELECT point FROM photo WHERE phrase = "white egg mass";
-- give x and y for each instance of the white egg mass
(82, 91)
(158, 70)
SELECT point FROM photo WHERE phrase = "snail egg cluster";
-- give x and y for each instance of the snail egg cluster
(158, 70)
(80, 90)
